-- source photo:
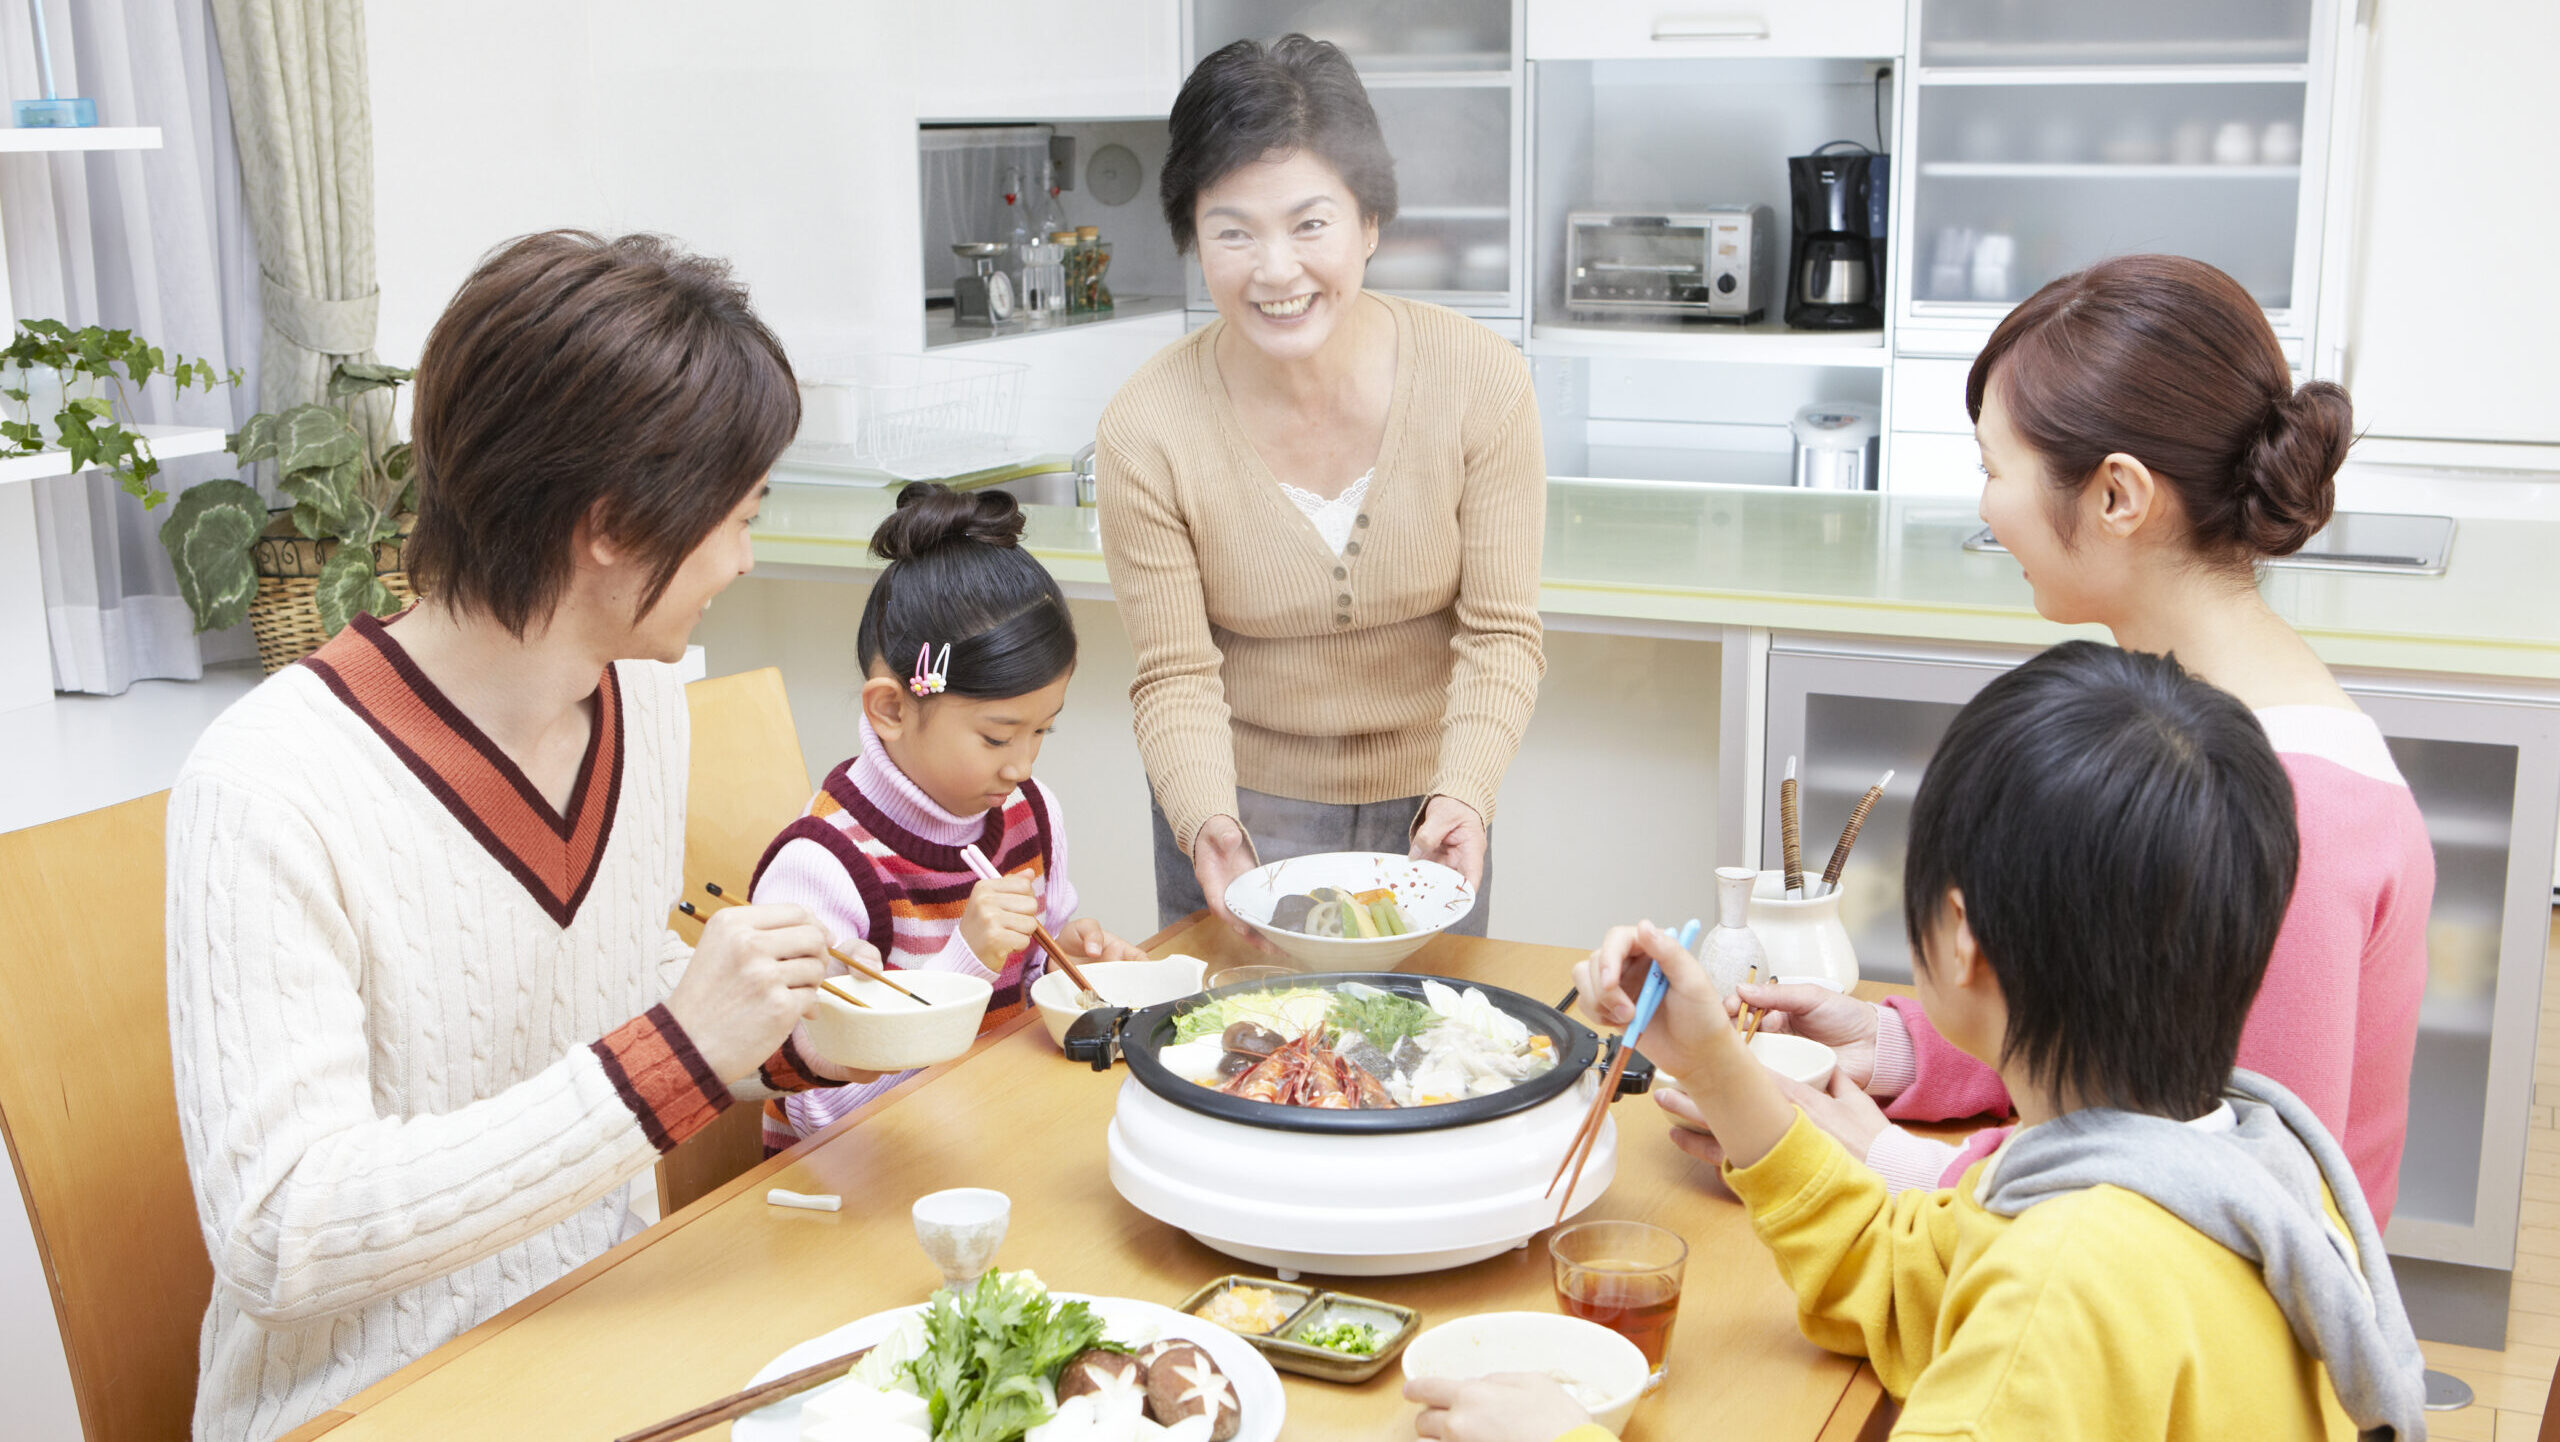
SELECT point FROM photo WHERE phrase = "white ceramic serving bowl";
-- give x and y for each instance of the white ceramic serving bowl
(1131, 984)
(1432, 897)
(1802, 1058)
(1539, 1343)
(893, 1033)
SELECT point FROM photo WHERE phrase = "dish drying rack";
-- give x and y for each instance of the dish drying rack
(915, 417)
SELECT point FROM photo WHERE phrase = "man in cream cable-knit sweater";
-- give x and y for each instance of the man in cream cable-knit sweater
(430, 1026)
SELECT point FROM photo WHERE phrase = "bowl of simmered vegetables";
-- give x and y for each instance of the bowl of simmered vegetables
(1350, 910)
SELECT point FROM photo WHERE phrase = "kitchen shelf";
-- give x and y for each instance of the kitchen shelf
(168, 443)
(941, 330)
(2195, 50)
(2097, 75)
(2100, 170)
(1374, 68)
(84, 137)
(1761, 343)
(1436, 79)
(1453, 212)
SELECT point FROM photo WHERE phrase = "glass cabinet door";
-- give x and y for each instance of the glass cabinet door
(1408, 35)
(2047, 137)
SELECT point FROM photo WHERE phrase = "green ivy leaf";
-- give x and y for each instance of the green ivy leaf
(97, 406)
(354, 378)
(346, 586)
(315, 438)
(207, 536)
(326, 506)
(255, 440)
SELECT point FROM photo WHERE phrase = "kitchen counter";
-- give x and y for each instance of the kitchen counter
(1667, 556)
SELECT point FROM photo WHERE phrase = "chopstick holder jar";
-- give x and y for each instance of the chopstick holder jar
(1732, 952)
(1802, 936)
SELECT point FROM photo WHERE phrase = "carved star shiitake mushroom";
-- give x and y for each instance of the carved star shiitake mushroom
(1182, 1383)
(1098, 1370)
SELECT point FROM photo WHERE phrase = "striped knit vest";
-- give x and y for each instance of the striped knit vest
(914, 890)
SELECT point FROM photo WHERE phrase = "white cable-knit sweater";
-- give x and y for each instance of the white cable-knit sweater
(393, 1116)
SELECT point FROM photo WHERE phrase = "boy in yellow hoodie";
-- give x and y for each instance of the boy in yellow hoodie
(2100, 855)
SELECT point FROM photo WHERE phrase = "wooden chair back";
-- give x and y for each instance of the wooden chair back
(748, 781)
(91, 1114)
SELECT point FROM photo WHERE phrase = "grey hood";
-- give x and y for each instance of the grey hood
(2256, 1190)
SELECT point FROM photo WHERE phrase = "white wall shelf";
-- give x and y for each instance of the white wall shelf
(2094, 75)
(88, 137)
(1436, 79)
(168, 443)
(2100, 170)
(1762, 343)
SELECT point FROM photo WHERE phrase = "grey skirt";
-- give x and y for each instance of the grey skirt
(1282, 828)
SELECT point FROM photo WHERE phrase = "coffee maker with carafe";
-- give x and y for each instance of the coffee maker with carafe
(1831, 270)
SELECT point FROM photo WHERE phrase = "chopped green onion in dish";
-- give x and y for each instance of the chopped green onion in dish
(1355, 1339)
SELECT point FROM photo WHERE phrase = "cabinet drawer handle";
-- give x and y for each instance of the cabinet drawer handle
(1712, 27)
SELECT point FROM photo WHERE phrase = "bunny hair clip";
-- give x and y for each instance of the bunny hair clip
(933, 673)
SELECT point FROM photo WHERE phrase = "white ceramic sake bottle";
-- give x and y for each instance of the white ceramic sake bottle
(1732, 952)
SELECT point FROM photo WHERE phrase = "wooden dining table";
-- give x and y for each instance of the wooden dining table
(691, 1308)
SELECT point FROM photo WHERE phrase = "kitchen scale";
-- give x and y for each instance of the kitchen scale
(2383, 541)
(985, 296)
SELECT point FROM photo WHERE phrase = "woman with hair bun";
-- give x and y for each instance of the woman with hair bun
(2143, 449)
(966, 648)
(1322, 512)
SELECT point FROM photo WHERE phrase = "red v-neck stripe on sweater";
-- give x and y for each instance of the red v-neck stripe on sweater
(555, 854)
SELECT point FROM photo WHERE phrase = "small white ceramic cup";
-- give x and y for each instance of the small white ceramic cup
(960, 1230)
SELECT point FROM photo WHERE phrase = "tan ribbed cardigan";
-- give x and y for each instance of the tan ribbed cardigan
(1406, 666)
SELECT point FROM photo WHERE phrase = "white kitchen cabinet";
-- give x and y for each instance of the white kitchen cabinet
(2448, 200)
(1035, 60)
(1449, 88)
(2041, 139)
(2483, 760)
(1716, 29)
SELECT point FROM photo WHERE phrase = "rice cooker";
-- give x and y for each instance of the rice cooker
(1353, 1193)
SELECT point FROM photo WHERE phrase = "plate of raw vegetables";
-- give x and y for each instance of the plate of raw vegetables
(1350, 910)
(1011, 1361)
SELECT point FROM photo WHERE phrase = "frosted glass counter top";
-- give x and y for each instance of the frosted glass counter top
(1856, 565)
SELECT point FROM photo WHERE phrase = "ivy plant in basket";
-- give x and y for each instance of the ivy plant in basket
(342, 530)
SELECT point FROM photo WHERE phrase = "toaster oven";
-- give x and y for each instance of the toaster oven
(1717, 264)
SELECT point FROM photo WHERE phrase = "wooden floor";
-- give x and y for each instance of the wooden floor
(2512, 1385)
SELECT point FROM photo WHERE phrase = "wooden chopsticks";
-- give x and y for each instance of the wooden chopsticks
(1789, 831)
(738, 1404)
(863, 967)
(1655, 984)
(1849, 835)
(986, 870)
(828, 982)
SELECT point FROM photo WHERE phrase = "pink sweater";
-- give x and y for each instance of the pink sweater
(2336, 1020)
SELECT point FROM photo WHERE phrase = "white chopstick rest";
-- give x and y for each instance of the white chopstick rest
(824, 1203)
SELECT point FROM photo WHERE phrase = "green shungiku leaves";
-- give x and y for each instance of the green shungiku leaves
(208, 535)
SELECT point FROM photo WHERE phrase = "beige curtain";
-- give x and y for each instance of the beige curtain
(301, 112)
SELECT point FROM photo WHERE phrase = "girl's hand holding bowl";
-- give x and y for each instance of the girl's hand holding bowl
(1505, 1407)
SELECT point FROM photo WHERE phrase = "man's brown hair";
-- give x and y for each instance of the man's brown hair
(575, 377)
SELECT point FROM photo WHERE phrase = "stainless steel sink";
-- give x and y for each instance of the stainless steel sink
(1041, 488)
(2397, 544)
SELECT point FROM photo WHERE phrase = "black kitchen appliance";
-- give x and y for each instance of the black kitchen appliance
(1836, 255)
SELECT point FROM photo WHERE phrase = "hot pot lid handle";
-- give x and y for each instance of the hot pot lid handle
(1094, 1037)
(1638, 1078)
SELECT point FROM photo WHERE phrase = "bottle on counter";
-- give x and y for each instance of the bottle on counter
(1090, 291)
(1014, 224)
(1050, 216)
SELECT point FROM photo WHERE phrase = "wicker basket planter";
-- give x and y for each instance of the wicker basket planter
(284, 617)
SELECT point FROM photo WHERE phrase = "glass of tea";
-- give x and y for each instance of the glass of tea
(1624, 1276)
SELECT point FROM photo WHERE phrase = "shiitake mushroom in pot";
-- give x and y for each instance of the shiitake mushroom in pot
(1253, 1039)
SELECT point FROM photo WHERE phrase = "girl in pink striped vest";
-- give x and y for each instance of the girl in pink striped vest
(966, 648)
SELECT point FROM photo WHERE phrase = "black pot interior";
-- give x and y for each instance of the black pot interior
(1146, 1031)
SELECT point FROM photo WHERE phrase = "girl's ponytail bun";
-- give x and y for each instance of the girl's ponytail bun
(2288, 477)
(931, 516)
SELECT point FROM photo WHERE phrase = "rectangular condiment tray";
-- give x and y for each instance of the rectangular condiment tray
(1312, 1308)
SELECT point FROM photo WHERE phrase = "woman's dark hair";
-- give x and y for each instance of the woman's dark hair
(572, 377)
(958, 577)
(2124, 839)
(2169, 361)
(1247, 103)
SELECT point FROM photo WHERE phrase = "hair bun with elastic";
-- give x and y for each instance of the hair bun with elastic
(2288, 478)
(931, 516)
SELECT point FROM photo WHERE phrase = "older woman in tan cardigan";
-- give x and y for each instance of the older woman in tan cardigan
(1322, 512)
